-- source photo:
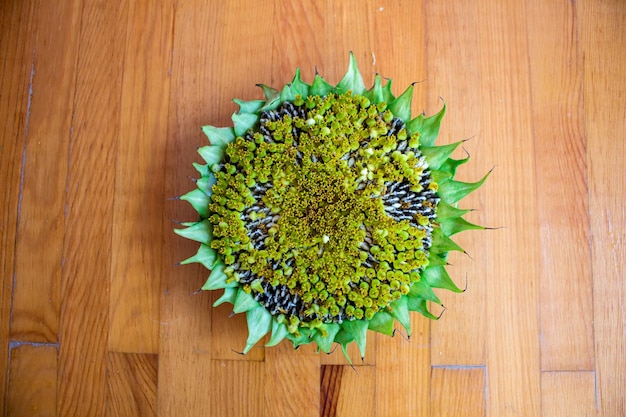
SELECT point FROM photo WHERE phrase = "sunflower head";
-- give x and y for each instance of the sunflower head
(326, 211)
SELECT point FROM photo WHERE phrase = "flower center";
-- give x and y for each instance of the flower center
(325, 211)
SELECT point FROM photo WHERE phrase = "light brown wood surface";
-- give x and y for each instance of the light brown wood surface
(101, 104)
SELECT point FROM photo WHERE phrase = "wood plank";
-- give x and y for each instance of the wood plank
(453, 75)
(403, 372)
(402, 367)
(512, 347)
(458, 391)
(138, 210)
(248, 26)
(568, 394)
(131, 384)
(18, 26)
(39, 250)
(603, 41)
(347, 391)
(305, 52)
(90, 189)
(32, 381)
(185, 317)
(237, 389)
(292, 374)
(561, 171)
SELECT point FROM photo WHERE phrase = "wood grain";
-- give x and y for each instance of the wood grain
(561, 171)
(305, 52)
(185, 317)
(402, 367)
(403, 377)
(458, 338)
(90, 189)
(32, 381)
(138, 209)
(458, 391)
(568, 394)
(131, 384)
(238, 388)
(41, 227)
(251, 33)
(16, 55)
(347, 391)
(101, 105)
(512, 361)
(603, 41)
(292, 375)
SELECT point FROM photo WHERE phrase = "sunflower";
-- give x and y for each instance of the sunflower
(326, 211)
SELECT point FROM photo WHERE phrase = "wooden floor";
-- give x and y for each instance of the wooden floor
(101, 104)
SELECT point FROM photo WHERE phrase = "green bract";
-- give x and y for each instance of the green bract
(327, 211)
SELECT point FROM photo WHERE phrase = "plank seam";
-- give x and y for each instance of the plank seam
(592, 264)
(459, 367)
(17, 217)
(17, 343)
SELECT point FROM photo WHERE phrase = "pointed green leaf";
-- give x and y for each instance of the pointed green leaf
(375, 94)
(437, 155)
(451, 165)
(428, 127)
(205, 256)
(352, 80)
(243, 122)
(326, 342)
(259, 324)
(358, 330)
(442, 243)
(269, 92)
(401, 106)
(458, 224)
(296, 87)
(452, 191)
(344, 338)
(279, 332)
(320, 87)
(421, 306)
(202, 169)
(228, 297)
(212, 154)
(219, 136)
(437, 277)
(198, 200)
(387, 93)
(400, 311)
(287, 94)
(217, 279)
(421, 290)
(206, 183)
(200, 232)
(446, 211)
(440, 176)
(304, 338)
(272, 97)
(437, 259)
(244, 302)
(249, 106)
(382, 322)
